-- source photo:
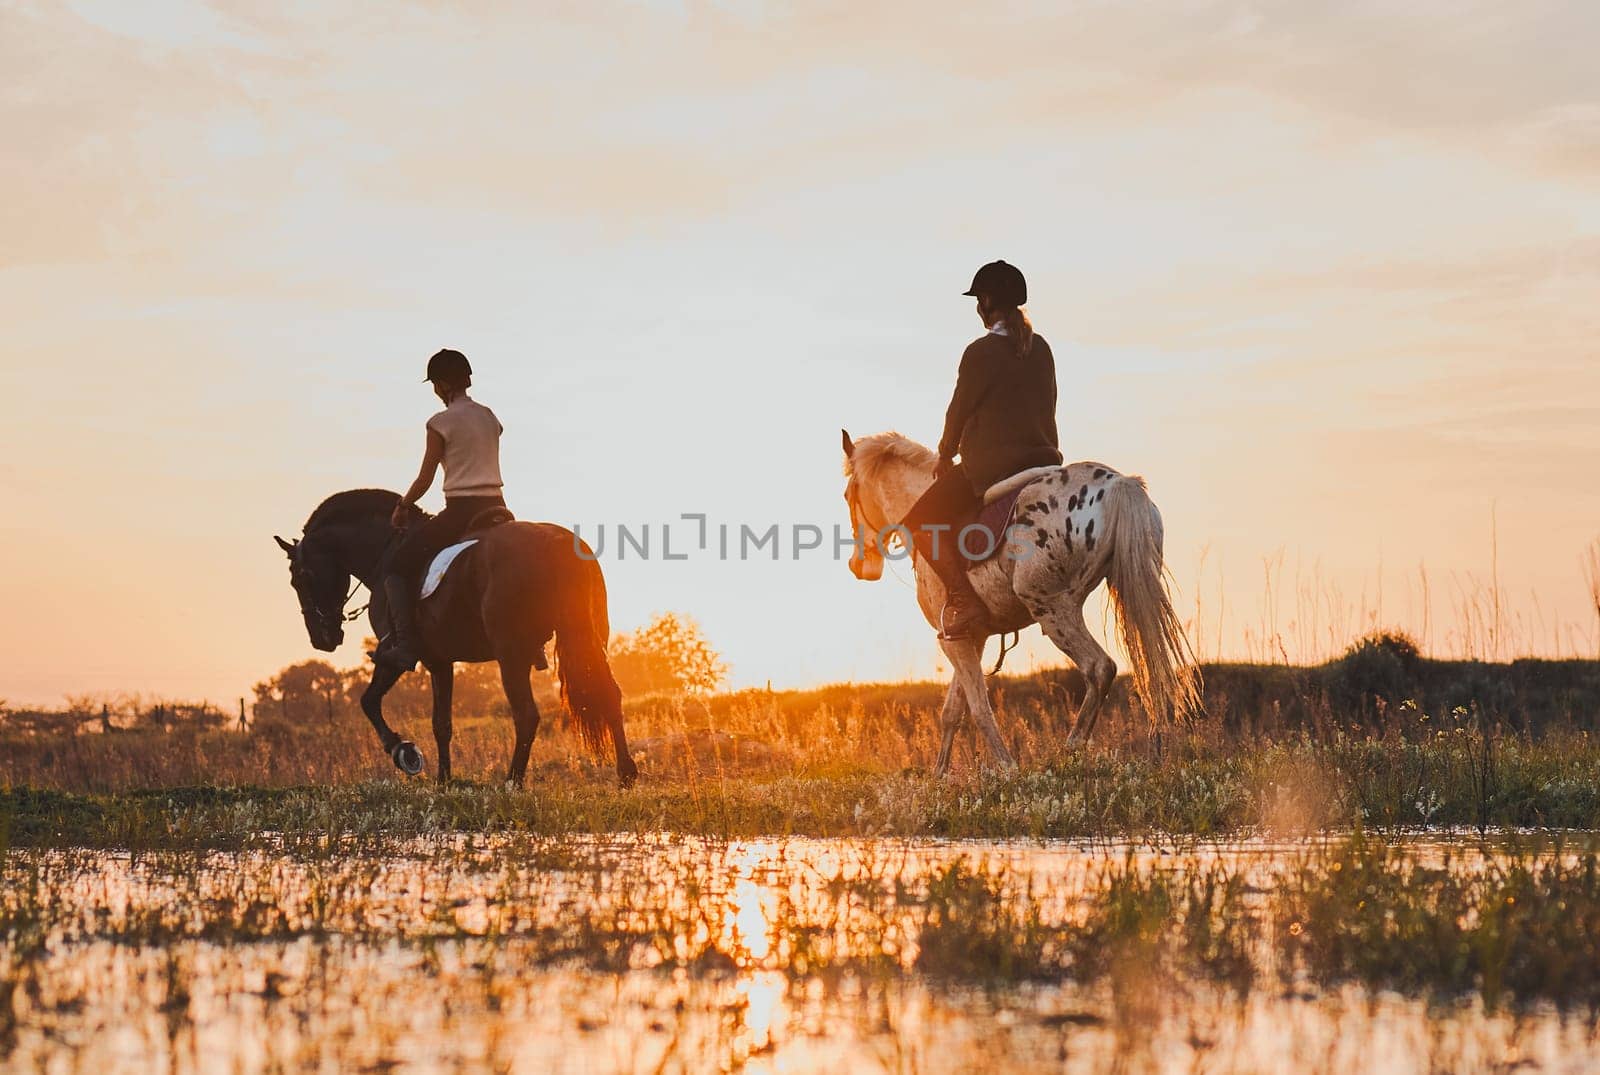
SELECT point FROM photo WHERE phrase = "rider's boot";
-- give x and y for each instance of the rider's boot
(398, 648)
(964, 614)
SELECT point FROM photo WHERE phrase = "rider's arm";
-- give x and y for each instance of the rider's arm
(971, 384)
(431, 456)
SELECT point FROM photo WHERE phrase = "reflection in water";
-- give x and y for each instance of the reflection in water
(644, 953)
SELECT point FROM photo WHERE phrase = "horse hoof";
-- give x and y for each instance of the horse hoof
(407, 758)
(628, 779)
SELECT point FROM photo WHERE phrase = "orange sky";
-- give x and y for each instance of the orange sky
(1327, 275)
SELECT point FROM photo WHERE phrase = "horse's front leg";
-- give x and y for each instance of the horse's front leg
(403, 752)
(443, 676)
(966, 655)
(950, 717)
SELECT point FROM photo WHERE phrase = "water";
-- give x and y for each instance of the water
(655, 954)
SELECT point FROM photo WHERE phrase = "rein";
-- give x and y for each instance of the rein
(355, 584)
(353, 614)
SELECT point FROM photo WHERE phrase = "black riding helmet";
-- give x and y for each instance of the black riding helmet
(449, 365)
(1001, 282)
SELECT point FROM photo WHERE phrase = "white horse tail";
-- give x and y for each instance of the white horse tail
(1163, 664)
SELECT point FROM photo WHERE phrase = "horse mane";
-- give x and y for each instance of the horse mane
(354, 505)
(875, 453)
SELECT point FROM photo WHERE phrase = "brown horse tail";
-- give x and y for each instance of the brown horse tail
(588, 689)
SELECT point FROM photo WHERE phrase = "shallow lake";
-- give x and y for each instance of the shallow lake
(678, 954)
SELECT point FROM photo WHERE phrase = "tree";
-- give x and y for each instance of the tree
(668, 654)
(304, 692)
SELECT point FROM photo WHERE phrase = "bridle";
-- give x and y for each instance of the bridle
(330, 619)
(338, 618)
(858, 518)
(345, 614)
(860, 525)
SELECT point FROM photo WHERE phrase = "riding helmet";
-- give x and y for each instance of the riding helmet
(448, 365)
(1001, 282)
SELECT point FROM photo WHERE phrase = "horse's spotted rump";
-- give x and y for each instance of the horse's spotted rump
(1042, 539)
(1101, 495)
(1088, 535)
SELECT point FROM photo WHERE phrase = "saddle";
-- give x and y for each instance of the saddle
(999, 502)
(489, 518)
(484, 521)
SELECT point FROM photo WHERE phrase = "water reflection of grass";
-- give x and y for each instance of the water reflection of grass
(1515, 924)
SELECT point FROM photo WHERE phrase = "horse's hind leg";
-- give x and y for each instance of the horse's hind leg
(627, 768)
(524, 713)
(443, 676)
(1061, 618)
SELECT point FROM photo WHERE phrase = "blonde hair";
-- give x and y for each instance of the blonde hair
(1019, 330)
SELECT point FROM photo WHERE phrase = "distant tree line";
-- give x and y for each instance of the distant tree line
(668, 655)
(108, 715)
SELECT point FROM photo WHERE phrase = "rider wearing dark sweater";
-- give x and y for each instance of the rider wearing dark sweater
(1001, 420)
(464, 439)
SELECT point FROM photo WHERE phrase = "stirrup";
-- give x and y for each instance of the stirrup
(389, 651)
(978, 627)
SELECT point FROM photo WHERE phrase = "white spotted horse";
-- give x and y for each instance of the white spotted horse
(1071, 528)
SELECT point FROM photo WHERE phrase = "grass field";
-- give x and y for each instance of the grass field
(1381, 862)
(1381, 739)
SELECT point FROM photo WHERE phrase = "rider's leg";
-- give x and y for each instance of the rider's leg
(404, 578)
(401, 582)
(399, 646)
(934, 521)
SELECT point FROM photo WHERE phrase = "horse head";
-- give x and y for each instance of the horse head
(868, 517)
(322, 587)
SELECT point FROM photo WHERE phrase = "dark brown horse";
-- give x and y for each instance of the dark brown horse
(501, 600)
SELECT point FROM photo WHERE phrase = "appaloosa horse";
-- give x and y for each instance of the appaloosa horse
(502, 600)
(1073, 527)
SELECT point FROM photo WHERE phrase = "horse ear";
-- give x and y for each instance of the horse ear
(287, 546)
(849, 445)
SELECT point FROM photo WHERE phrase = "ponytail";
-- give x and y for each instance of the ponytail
(1019, 329)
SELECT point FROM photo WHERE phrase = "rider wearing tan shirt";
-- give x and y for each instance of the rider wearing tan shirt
(464, 438)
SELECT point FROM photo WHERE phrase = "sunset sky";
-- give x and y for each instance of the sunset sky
(1326, 274)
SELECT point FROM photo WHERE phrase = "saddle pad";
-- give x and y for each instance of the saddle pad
(995, 517)
(441, 564)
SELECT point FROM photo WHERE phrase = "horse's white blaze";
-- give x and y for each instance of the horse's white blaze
(1070, 531)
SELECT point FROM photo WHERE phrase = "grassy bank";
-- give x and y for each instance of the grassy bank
(1192, 786)
(1381, 738)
